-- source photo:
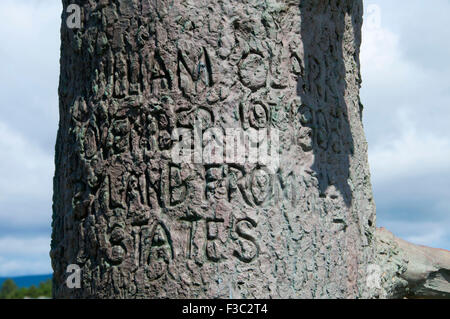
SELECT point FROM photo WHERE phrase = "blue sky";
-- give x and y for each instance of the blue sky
(406, 94)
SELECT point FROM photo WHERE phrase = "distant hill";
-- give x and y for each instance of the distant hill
(27, 281)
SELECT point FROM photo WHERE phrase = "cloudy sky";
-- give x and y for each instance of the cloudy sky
(406, 94)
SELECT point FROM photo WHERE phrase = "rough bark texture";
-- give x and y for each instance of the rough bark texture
(140, 226)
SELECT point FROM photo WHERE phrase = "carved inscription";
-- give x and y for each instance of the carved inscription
(158, 250)
(149, 201)
(253, 71)
(194, 71)
(247, 248)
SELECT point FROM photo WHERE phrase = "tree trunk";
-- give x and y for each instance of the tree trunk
(140, 224)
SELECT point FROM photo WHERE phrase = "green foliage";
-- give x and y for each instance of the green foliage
(9, 290)
(9, 287)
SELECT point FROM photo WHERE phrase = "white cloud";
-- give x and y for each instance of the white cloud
(24, 246)
(29, 33)
(407, 99)
(25, 169)
(379, 47)
(403, 107)
(411, 153)
(24, 267)
(431, 234)
(19, 256)
(25, 184)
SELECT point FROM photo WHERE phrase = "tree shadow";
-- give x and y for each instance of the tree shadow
(329, 87)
